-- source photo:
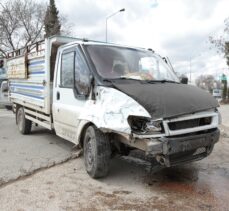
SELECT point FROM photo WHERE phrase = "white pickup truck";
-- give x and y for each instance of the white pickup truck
(109, 99)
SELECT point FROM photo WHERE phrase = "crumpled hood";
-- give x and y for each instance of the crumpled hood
(166, 100)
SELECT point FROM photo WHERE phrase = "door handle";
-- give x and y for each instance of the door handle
(57, 95)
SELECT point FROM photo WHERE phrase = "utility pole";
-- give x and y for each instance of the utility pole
(190, 69)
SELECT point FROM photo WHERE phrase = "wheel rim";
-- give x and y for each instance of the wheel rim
(89, 153)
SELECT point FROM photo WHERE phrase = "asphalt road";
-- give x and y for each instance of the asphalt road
(202, 185)
(22, 155)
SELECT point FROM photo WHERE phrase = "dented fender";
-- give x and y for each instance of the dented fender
(110, 110)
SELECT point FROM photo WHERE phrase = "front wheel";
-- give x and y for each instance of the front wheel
(24, 125)
(97, 152)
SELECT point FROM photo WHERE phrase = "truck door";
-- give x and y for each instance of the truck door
(70, 92)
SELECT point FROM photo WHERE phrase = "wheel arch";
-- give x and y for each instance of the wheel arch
(24, 124)
(82, 131)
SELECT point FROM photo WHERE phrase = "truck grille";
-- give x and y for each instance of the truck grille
(179, 125)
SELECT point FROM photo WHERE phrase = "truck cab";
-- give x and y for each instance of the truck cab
(109, 98)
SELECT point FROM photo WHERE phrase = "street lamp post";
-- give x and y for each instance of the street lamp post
(190, 69)
(122, 10)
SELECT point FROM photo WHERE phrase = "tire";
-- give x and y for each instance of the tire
(24, 125)
(97, 152)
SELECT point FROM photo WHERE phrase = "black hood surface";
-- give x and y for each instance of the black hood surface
(167, 100)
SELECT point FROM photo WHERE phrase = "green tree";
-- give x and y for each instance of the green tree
(226, 52)
(227, 94)
(224, 82)
(52, 22)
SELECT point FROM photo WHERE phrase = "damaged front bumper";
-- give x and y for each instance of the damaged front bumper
(174, 150)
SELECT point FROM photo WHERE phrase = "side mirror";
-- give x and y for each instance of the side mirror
(184, 79)
(165, 60)
(83, 87)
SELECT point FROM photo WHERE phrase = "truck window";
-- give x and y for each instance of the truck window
(82, 74)
(153, 66)
(67, 70)
(113, 62)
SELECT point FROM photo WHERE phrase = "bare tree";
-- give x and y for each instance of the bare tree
(207, 82)
(21, 23)
(221, 43)
(66, 26)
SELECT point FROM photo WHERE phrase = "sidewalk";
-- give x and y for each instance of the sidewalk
(224, 110)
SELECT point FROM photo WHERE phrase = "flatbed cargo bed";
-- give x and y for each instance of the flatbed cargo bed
(30, 73)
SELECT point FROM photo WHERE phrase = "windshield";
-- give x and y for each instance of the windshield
(118, 62)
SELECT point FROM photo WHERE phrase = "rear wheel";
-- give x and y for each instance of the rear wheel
(24, 125)
(97, 152)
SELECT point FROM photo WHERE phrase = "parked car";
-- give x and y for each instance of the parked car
(108, 99)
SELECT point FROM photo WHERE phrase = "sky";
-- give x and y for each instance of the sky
(179, 29)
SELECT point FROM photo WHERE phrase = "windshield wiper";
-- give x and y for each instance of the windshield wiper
(128, 78)
(122, 78)
(111, 80)
(162, 81)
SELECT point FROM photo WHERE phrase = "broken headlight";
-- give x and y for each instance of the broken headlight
(143, 125)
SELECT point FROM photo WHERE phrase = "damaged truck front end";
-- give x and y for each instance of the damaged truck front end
(170, 140)
(144, 106)
(175, 141)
